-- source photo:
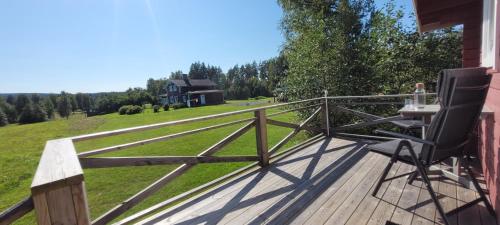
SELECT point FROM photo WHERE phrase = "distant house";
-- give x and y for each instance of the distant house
(192, 92)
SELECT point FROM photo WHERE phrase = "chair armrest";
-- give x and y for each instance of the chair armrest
(403, 136)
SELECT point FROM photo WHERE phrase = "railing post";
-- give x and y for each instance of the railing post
(58, 189)
(325, 121)
(261, 137)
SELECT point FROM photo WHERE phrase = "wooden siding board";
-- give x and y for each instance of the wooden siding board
(489, 154)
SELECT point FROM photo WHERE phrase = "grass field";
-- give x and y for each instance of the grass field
(22, 145)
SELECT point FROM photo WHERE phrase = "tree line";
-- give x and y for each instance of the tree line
(24, 108)
(240, 81)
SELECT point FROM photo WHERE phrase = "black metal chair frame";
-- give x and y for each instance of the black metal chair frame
(423, 163)
(422, 172)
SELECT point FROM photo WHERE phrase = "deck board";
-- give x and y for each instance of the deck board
(329, 182)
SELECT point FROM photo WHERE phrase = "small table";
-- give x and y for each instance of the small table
(426, 112)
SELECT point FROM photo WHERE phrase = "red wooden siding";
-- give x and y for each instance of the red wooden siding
(490, 133)
(435, 14)
(489, 141)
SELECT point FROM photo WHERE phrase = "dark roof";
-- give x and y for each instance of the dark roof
(179, 83)
(201, 83)
(194, 83)
(206, 91)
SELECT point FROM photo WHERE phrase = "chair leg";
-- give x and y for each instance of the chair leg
(428, 185)
(382, 178)
(479, 190)
(427, 182)
(412, 177)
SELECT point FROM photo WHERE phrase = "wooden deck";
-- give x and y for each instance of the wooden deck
(329, 182)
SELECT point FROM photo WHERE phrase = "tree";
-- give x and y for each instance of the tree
(215, 74)
(274, 71)
(11, 100)
(35, 98)
(32, 113)
(74, 104)
(155, 88)
(198, 70)
(110, 102)
(64, 105)
(39, 113)
(3, 118)
(83, 102)
(177, 75)
(138, 96)
(350, 48)
(49, 108)
(26, 115)
(53, 98)
(21, 101)
(10, 111)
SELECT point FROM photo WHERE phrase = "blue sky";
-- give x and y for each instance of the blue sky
(101, 45)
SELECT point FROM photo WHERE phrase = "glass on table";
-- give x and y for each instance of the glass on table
(409, 103)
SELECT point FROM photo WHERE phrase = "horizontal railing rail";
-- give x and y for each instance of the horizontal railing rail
(17, 211)
(178, 122)
(376, 96)
(58, 189)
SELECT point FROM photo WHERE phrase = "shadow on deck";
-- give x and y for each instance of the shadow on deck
(329, 182)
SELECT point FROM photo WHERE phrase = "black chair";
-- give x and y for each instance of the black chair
(461, 97)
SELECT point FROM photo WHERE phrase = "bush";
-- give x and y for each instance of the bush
(178, 105)
(129, 109)
(166, 107)
(123, 110)
(3, 118)
(260, 97)
(134, 110)
(156, 108)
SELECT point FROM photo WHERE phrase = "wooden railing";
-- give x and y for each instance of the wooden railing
(58, 188)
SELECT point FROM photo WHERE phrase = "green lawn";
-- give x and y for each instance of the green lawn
(21, 147)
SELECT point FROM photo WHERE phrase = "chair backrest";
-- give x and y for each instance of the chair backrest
(462, 95)
(439, 85)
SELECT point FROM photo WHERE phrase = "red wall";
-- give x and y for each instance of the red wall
(490, 133)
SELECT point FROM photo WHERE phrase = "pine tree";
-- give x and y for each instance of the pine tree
(11, 99)
(49, 108)
(74, 104)
(39, 114)
(3, 118)
(64, 105)
(27, 114)
(10, 111)
(21, 101)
